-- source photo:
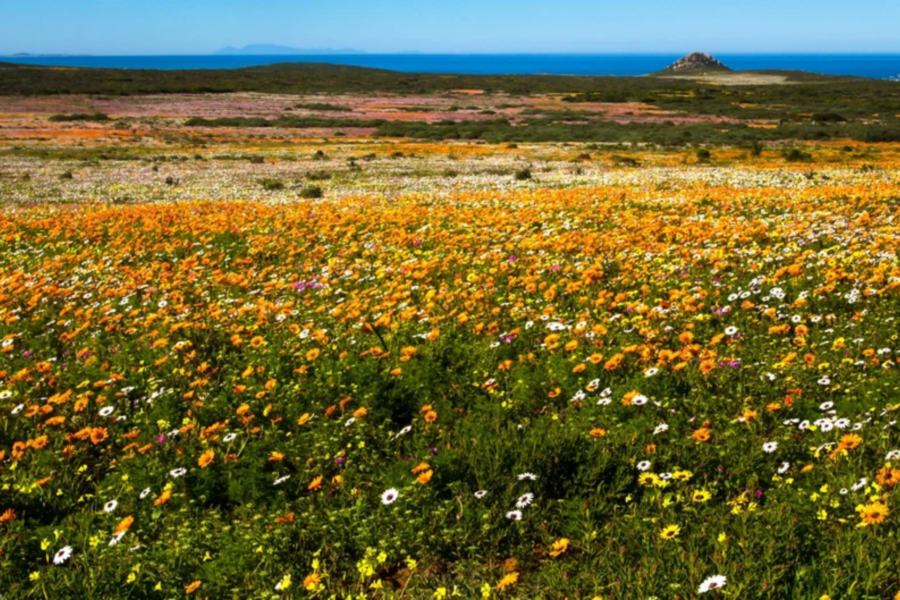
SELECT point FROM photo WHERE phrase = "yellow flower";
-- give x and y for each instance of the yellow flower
(559, 547)
(508, 580)
(648, 479)
(873, 514)
(670, 532)
(701, 496)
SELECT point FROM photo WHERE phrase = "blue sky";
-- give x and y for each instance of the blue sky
(450, 26)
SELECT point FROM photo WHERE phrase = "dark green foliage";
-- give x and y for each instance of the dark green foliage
(322, 106)
(272, 185)
(95, 117)
(283, 121)
(523, 174)
(311, 192)
(796, 155)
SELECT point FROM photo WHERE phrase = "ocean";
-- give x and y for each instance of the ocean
(876, 66)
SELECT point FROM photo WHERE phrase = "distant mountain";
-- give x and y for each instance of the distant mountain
(698, 62)
(273, 49)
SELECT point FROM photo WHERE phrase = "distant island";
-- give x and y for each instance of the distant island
(30, 55)
(273, 49)
(697, 62)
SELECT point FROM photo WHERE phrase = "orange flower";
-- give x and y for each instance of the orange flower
(425, 477)
(192, 587)
(124, 524)
(163, 498)
(850, 441)
(312, 354)
(206, 458)
(288, 518)
(508, 580)
(431, 416)
(598, 432)
(316, 483)
(312, 581)
(98, 435)
(276, 456)
(8, 515)
(420, 468)
(701, 435)
(360, 412)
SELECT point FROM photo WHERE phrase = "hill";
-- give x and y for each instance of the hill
(697, 62)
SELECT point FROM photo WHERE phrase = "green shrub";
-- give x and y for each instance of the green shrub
(796, 155)
(95, 117)
(523, 174)
(272, 185)
(311, 192)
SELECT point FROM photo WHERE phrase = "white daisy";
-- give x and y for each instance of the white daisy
(62, 555)
(643, 465)
(651, 372)
(712, 583)
(639, 400)
(892, 455)
(18, 409)
(515, 515)
(524, 500)
(731, 331)
(826, 406)
(527, 476)
(106, 411)
(281, 480)
(784, 468)
(229, 438)
(480, 494)
(117, 538)
(389, 496)
(110, 506)
(145, 492)
(177, 472)
(770, 447)
(660, 428)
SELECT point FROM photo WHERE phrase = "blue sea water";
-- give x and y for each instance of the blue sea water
(877, 66)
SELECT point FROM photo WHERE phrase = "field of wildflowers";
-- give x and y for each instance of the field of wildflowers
(654, 378)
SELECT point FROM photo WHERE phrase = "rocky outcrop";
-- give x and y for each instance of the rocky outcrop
(696, 62)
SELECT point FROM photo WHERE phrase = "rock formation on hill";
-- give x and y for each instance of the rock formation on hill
(696, 62)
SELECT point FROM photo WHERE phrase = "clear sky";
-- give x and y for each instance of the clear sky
(450, 26)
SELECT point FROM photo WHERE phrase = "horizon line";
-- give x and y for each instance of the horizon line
(423, 53)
